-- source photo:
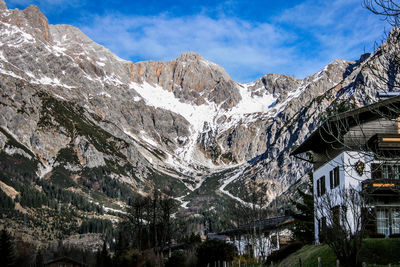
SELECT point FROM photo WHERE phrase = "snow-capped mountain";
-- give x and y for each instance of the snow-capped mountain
(70, 104)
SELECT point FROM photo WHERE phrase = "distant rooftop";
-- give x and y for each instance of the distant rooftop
(384, 94)
(265, 224)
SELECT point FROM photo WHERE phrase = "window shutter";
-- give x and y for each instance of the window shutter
(337, 177)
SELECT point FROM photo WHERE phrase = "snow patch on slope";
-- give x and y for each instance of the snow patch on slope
(157, 97)
(226, 192)
(251, 104)
(8, 31)
(200, 115)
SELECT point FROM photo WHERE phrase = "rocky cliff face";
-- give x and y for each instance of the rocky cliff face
(67, 102)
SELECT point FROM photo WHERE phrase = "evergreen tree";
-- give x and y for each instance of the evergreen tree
(102, 257)
(5, 201)
(7, 252)
(304, 217)
(39, 260)
(121, 245)
(215, 250)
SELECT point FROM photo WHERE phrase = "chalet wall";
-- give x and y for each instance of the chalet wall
(317, 174)
(358, 135)
(348, 177)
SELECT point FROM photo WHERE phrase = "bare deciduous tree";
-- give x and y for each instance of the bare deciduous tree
(389, 9)
(343, 217)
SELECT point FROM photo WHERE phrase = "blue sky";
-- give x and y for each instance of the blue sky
(247, 38)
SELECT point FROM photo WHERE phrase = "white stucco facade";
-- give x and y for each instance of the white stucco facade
(263, 244)
(349, 178)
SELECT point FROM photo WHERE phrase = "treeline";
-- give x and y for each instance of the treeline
(5, 201)
(15, 254)
(97, 225)
(31, 197)
(148, 227)
(53, 192)
(99, 179)
(20, 173)
(149, 221)
(192, 252)
(50, 195)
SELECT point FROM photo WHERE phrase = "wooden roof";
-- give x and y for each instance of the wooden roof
(339, 124)
(264, 224)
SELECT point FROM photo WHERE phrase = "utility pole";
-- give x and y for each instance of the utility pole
(119, 196)
(59, 207)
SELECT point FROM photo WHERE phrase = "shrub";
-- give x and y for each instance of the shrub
(377, 235)
(213, 250)
(177, 259)
(380, 251)
(285, 251)
(129, 257)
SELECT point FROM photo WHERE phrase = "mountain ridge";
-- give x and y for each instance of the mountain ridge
(99, 123)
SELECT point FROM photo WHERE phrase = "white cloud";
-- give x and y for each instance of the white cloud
(300, 41)
(337, 29)
(242, 48)
(317, 13)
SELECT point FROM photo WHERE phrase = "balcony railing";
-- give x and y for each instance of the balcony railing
(381, 186)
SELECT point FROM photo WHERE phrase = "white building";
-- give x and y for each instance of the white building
(260, 238)
(357, 150)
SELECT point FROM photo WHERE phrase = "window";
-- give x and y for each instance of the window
(321, 189)
(382, 221)
(385, 171)
(396, 221)
(334, 178)
(396, 172)
(388, 220)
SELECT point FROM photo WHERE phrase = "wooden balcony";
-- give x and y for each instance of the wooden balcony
(385, 144)
(381, 187)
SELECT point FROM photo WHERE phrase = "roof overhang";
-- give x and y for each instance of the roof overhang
(335, 126)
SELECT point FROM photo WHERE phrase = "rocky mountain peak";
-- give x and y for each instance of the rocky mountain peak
(31, 20)
(71, 103)
(191, 78)
(201, 62)
(37, 21)
(189, 56)
(274, 84)
(3, 5)
(394, 33)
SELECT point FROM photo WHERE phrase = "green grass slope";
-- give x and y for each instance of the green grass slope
(374, 252)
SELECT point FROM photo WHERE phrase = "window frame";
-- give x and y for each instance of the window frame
(385, 171)
(321, 186)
